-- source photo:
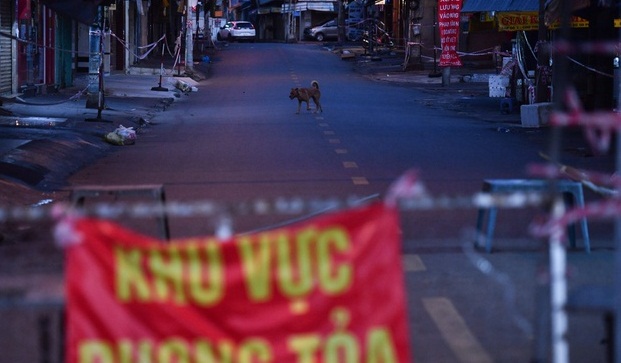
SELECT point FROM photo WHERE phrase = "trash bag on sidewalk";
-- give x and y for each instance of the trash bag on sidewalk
(121, 136)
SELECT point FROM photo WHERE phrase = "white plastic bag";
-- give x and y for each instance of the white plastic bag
(122, 136)
(127, 133)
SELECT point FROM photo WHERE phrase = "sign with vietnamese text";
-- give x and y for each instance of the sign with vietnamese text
(517, 21)
(576, 22)
(448, 24)
(523, 21)
(327, 290)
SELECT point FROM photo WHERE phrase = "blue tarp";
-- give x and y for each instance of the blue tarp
(476, 6)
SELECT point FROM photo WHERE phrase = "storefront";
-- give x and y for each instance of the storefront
(489, 24)
(269, 20)
(306, 14)
(7, 49)
(520, 27)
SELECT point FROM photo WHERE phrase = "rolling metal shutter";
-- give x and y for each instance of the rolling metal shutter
(6, 65)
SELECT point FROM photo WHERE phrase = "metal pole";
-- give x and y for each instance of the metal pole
(435, 59)
(289, 21)
(616, 313)
(159, 87)
(189, 49)
(94, 98)
(557, 256)
(14, 60)
(558, 288)
(435, 72)
(542, 57)
(126, 36)
(340, 23)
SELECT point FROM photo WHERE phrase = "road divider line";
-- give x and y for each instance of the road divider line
(323, 124)
(334, 141)
(350, 165)
(328, 132)
(341, 151)
(456, 333)
(295, 79)
(413, 263)
(359, 180)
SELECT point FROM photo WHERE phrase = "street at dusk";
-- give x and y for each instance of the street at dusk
(238, 140)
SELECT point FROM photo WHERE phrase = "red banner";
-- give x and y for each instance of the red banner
(330, 289)
(448, 23)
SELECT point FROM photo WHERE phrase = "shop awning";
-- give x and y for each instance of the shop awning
(479, 6)
(553, 8)
(269, 10)
(82, 11)
(309, 5)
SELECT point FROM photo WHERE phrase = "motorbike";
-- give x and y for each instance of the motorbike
(376, 38)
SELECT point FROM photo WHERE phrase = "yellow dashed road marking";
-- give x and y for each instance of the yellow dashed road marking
(359, 180)
(460, 339)
(413, 263)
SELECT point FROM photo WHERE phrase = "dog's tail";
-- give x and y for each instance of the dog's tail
(315, 84)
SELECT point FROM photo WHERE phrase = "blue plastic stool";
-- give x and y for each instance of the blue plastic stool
(566, 187)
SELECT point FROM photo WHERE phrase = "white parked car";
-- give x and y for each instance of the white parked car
(237, 30)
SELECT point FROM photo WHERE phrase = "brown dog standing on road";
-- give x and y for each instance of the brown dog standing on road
(307, 94)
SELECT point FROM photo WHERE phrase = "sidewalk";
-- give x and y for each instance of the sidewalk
(467, 91)
(47, 137)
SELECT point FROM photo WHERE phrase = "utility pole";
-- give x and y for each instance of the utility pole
(189, 35)
(435, 72)
(341, 22)
(126, 36)
(414, 32)
(290, 21)
(95, 91)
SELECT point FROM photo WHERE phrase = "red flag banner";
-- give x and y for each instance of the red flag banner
(329, 289)
(448, 23)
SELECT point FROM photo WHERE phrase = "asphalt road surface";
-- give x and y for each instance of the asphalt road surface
(239, 139)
